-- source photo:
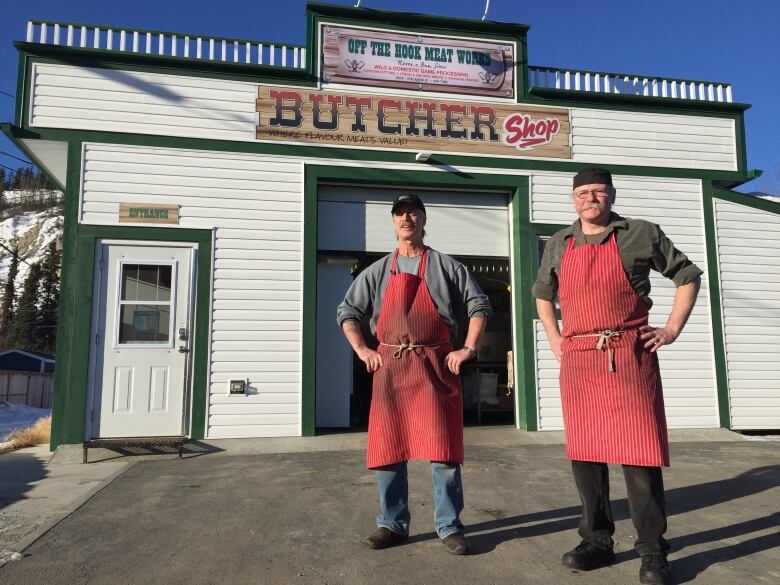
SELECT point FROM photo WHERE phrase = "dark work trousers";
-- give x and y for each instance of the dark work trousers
(645, 487)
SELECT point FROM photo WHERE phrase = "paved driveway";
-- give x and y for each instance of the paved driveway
(299, 518)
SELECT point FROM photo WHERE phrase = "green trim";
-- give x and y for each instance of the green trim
(716, 310)
(627, 100)
(517, 186)
(741, 146)
(309, 285)
(343, 154)
(130, 61)
(21, 89)
(71, 376)
(8, 130)
(621, 76)
(525, 270)
(747, 200)
(127, 29)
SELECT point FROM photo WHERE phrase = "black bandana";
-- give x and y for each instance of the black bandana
(592, 176)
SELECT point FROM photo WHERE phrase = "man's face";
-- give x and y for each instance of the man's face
(408, 222)
(593, 202)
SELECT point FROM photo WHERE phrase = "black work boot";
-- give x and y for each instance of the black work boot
(587, 556)
(384, 537)
(655, 569)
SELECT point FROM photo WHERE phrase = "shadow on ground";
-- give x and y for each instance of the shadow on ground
(20, 472)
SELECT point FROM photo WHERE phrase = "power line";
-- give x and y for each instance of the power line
(16, 157)
(7, 167)
(15, 253)
(13, 97)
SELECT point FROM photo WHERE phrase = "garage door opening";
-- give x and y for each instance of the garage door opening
(355, 230)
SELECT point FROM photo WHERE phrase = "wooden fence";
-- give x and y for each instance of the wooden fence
(30, 388)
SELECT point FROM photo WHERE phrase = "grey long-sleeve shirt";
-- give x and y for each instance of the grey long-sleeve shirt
(453, 290)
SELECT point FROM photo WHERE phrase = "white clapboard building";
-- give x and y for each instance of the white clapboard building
(221, 194)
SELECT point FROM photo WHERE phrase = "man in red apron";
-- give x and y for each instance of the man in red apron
(611, 393)
(415, 298)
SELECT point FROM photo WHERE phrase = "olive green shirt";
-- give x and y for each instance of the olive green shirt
(642, 244)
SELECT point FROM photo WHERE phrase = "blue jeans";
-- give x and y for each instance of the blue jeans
(393, 484)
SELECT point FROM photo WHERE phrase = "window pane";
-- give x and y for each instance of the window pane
(129, 282)
(140, 323)
(146, 282)
(164, 275)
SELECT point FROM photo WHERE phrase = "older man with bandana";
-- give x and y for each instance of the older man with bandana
(611, 392)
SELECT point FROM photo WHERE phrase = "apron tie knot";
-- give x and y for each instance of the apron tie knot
(604, 340)
(605, 337)
(411, 346)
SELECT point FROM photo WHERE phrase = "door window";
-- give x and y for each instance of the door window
(145, 304)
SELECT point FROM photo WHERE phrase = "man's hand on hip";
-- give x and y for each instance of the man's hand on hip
(371, 358)
(655, 337)
(455, 358)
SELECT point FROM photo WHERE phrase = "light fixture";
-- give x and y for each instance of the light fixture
(422, 156)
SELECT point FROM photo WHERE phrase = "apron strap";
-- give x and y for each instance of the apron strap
(394, 263)
(423, 262)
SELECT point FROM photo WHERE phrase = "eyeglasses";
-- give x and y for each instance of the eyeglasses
(600, 193)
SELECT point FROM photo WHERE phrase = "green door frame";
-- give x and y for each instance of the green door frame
(518, 186)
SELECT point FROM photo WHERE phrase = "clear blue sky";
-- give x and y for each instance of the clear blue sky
(717, 40)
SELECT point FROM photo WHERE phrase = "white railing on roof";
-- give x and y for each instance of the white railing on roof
(168, 44)
(628, 84)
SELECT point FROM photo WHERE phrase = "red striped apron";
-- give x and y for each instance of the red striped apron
(608, 416)
(416, 405)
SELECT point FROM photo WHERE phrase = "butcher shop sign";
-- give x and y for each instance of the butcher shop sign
(297, 115)
(357, 56)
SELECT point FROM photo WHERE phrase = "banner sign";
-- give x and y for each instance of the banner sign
(423, 63)
(288, 114)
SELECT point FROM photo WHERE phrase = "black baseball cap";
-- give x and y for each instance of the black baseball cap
(408, 199)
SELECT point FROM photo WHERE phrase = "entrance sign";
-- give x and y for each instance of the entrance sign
(148, 213)
(422, 63)
(288, 114)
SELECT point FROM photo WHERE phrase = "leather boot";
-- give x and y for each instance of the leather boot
(384, 537)
(586, 557)
(655, 569)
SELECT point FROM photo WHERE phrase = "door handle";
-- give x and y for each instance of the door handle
(183, 349)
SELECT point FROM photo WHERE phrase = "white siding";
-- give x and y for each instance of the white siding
(91, 98)
(687, 366)
(450, 215)
(654, 140)
(255, 204)
(749, 274)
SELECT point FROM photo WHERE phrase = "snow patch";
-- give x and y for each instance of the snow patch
(14, 417)
(34, 231)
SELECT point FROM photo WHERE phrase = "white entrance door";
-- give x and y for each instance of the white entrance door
(141, 342)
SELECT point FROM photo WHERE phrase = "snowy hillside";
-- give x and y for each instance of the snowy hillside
(11, 197)
(34, 231)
